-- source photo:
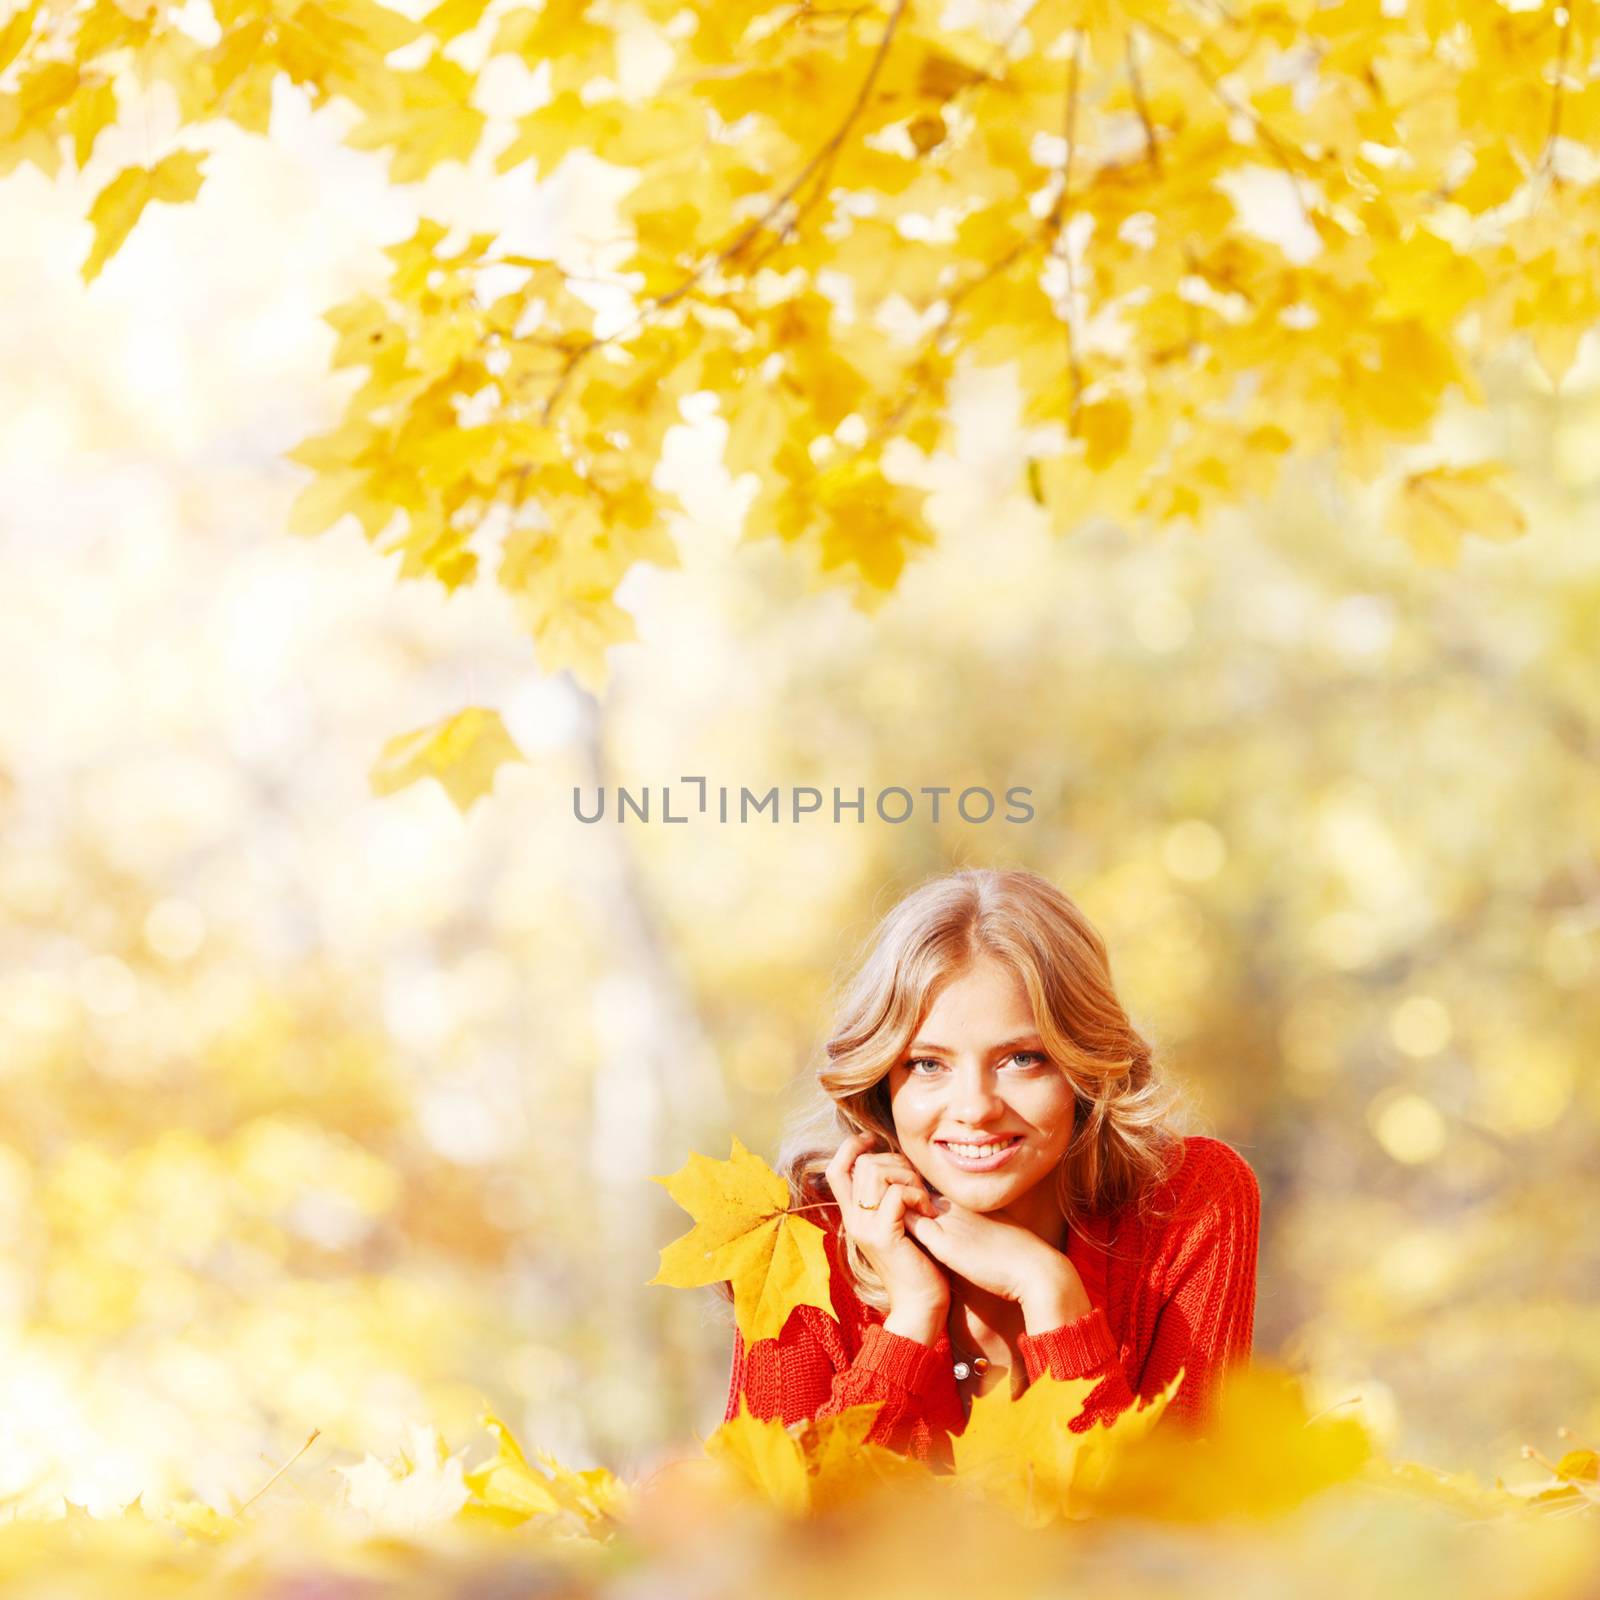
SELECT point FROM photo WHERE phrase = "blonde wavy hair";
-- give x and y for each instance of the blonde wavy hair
(1127, 1137)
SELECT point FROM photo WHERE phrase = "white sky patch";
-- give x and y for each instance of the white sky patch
(1267, 208)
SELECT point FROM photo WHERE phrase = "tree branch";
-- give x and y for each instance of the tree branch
(1059, 245)
(1273, 144)
(823, 158)
(1136, 84)
(1547, 157)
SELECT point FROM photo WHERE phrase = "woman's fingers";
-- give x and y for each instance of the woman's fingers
(837, 1171)
(872, 1174)
(871, 1180)
(851, 1163)
(873, 1192)
(894, 1167)
(917, 1199)
(861, 1177)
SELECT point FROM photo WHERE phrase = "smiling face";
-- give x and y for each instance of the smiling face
(976, 1076)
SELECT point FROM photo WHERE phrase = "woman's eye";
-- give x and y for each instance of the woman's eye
(1031, 1058)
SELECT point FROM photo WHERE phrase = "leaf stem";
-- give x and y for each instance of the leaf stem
(311, 1439)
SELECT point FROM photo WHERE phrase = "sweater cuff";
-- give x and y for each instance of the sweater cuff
(906, 1362)
(1076, 1349)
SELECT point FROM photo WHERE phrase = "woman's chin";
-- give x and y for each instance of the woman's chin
(977, 1193)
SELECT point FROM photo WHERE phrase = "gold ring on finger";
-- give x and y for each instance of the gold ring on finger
(867, 1206)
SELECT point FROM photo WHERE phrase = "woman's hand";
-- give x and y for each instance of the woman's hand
(877, 1192)
(1006, 1259)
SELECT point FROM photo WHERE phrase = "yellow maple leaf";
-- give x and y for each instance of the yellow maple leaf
(200, 1521)
(118, 206)
(463, 752)
(745, 1232)
(1103, 1446)
(572, 629)
(367, 333)
(844, 1465)
(434, 122)
(90, 112)
(1022, 1452)
(767, 1456)
(1106, 428)
(594, 1494)
(508, 1491)
(1435, 510)
(1260, 1455)
(869, 527)
(815, 1465)
(1496, 175)
(505, 1488)
(15, 34)
(1460, 1491)
(1425, 276)
(451, 18)
(426, 1485)
(329, 496)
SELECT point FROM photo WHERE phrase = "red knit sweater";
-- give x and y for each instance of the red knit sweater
(1167, 1293)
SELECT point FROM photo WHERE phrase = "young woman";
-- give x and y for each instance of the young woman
(1009, 1194)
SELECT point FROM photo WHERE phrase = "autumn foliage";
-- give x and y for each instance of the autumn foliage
(1022, 1494)
(1206, 238)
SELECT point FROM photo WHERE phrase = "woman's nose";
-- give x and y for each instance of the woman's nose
(975, 1095)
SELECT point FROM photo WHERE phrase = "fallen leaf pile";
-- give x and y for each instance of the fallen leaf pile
(1270, 1496)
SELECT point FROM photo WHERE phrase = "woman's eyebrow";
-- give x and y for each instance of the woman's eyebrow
(924, 1048)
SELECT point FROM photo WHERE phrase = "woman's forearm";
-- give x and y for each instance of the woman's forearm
(922, 1323)
(1056, 1297)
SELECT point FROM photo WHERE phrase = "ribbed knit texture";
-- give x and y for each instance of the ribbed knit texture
(1173, 1292)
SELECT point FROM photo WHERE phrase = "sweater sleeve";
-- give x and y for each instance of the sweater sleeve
(1084, 1348)
(1207, 1317)
(796, 1376)
(1206, 1320)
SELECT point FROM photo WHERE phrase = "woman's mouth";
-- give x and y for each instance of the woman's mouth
(972, 1156)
